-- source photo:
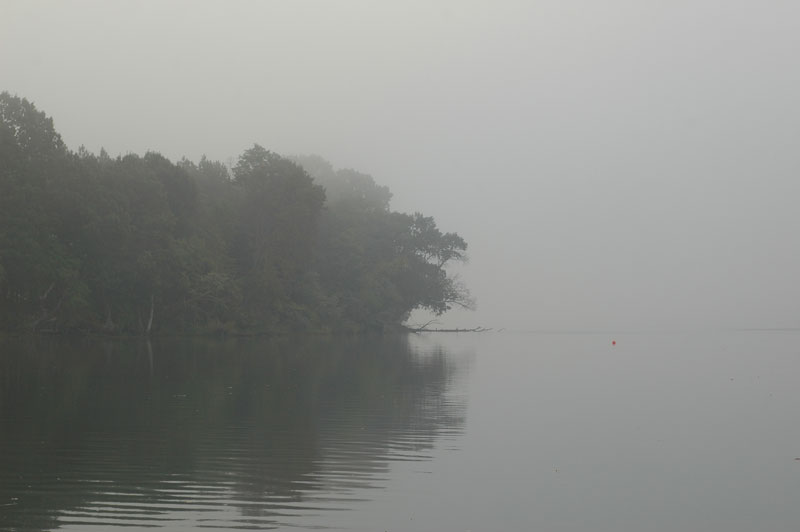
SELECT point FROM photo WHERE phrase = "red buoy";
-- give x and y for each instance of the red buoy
(613, 342)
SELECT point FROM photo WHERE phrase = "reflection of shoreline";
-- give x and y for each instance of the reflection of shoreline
(138, 433)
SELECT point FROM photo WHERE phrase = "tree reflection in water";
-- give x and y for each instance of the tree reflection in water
(99, 432)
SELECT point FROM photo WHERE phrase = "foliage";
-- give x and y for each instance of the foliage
(136, 244)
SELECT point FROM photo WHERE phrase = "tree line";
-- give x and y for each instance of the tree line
(143, 245)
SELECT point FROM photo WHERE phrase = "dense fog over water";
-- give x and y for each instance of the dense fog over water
(614, 165)
(447, 432)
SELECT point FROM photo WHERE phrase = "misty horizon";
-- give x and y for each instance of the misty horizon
(612, 167)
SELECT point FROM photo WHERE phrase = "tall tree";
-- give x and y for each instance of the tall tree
(380, 265)
(278, 232)
(40, 281)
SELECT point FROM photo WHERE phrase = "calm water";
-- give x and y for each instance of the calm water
(491, 431)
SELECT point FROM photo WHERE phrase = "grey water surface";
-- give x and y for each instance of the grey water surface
(436, 432)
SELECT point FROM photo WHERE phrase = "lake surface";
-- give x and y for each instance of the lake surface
(437, 432)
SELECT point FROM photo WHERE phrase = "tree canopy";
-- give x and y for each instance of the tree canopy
(140, 244)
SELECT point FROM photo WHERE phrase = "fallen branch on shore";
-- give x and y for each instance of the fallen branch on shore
(425, 329)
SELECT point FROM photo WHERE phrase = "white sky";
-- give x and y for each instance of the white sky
(613, 165)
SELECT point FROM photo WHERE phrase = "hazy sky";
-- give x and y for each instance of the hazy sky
(612, 164)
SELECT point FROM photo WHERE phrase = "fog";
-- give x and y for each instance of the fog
(618, 165)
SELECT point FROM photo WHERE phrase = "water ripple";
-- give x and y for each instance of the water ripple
(232, 437)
